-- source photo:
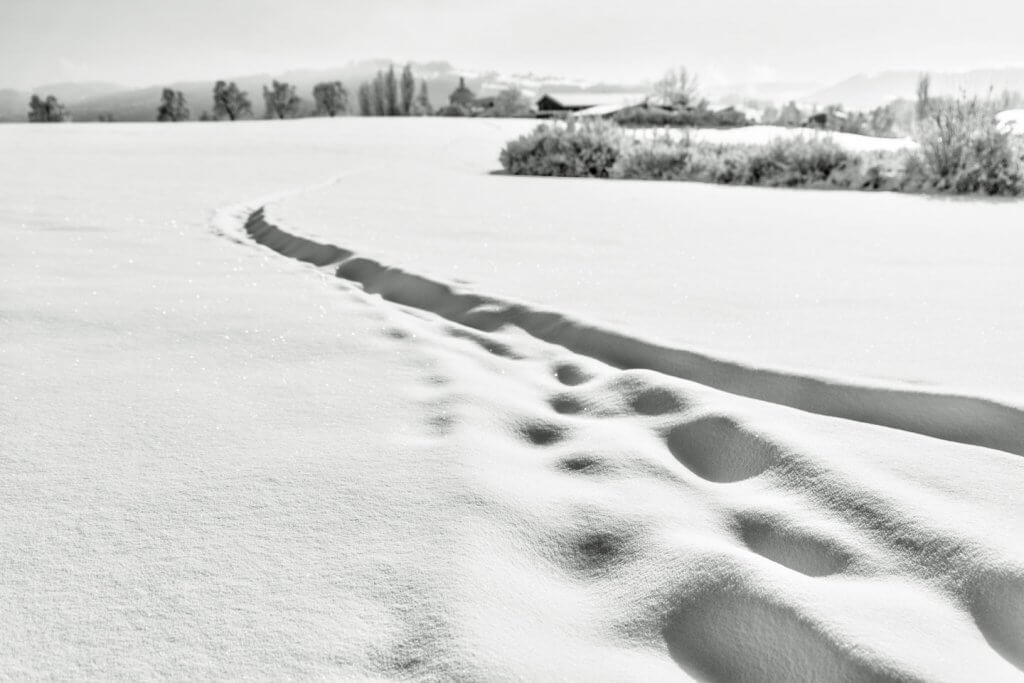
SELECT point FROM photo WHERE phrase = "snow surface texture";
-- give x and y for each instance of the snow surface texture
(218, 459)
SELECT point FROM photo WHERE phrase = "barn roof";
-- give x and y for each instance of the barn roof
(604, 109)
(594, 99)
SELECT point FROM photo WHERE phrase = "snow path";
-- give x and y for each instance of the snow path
(966, 419)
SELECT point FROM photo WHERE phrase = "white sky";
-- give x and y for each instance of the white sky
(151, 41)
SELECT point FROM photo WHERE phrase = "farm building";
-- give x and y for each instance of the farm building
(606, 111)
(564, 104)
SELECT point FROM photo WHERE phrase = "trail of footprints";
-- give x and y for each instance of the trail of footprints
(717, 452)
(712, 447)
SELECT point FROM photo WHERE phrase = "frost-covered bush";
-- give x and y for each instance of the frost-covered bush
(695, 117)
(721, 164)
(964, 150)
(552, 150)
(783, 162)
(798, 161)
(662, 160)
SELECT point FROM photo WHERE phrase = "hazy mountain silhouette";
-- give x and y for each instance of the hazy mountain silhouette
(865, 92)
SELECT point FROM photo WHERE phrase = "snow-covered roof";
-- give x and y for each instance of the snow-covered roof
(603, 109)
(593, 99)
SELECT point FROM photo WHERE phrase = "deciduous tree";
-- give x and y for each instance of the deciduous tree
(229, 101)
(677, 88)
(172, 106)
(511, 103)
(280, 100)
(49, 110)
(331, 98)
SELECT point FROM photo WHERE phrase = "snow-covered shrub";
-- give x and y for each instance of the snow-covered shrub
(552, 150)
(964, 150)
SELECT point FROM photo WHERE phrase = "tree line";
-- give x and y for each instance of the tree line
(388, 94)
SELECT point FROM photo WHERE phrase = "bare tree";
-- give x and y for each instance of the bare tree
(677, 88)
(331, 98)
(280, 100)
(172, 106)
(229, 101)
(49, 110)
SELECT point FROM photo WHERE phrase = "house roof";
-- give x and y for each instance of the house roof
(603, 109)
(594, 99)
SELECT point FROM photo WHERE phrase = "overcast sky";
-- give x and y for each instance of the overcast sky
(138, 42)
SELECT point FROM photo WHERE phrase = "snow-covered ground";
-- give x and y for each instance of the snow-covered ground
(218, 460)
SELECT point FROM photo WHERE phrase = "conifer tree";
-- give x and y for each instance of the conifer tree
(380, 106)
(365, 96)
(391, 92)
(408, 88)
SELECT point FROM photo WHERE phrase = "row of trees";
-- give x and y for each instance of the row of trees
(280, 101)
(389, 94)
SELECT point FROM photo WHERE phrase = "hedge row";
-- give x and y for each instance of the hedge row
(981, 160)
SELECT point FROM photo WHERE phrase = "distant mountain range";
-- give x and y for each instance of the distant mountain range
(865, 92)
(90, 101)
